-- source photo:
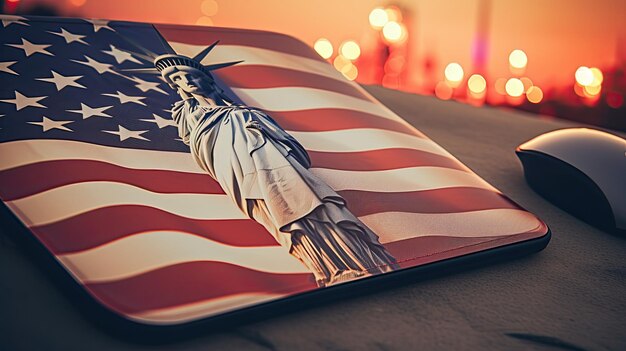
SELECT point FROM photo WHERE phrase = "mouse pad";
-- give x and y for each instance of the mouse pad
(168, 208)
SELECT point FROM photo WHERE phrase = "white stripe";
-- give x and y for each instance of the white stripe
(70, 200)
(148, 251)
(258, 56)
(400, 180)
(364, 139)
(394, 226)
(19, 153)
(203, 309)
(301, 98)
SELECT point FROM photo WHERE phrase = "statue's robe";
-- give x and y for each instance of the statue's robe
(264, 170)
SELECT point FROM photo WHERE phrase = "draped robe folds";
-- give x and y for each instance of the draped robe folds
(264, 170)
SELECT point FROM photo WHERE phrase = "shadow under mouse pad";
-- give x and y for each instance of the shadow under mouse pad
(298, 181)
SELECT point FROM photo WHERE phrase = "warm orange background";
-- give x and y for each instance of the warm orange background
(558, 35)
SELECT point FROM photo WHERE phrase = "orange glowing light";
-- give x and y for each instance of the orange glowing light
(591, 90)
(534, 94)
(204, 21)
(527, 83)
(394, 32)
(584, 75)
(209, 7)
(598, 77)
(614, 99)
(324, 48)
(514, 87)
(477, 84)
(378, 18)
(350, 50)
(454, 74)
(443, 91)
(394, 13)
(350, 71)
(78, 3)
(579, 90)
(340, 62)
(518, 59)
(500, 86)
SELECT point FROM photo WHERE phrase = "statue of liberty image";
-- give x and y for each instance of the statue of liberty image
(264, 170)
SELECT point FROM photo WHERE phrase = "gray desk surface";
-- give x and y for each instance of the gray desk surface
(571, 296)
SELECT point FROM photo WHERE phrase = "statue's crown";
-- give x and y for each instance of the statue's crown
(171, 60)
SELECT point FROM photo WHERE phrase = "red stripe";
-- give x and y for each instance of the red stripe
(259, 77)
(425, 246)
(27, 180)
(447, 200)
(329, 119)
(104, 225)
(380, 160)
(193, 282)
(422, 250)
(228, 36)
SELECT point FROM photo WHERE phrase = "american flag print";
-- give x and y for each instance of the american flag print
(91, 164)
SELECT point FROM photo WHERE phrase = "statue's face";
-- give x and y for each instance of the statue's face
(191, 81)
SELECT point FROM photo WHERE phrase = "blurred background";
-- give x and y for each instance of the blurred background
(559, 58)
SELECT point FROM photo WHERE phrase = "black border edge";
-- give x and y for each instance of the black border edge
(129, 330)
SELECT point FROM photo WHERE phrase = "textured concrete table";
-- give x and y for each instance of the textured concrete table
(571, 296)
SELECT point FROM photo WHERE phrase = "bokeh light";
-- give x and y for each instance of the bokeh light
(584, 75)
(378, 18)
(340, 62)
(454, 74)
(350, 71)
(209, 7)
(500, 86)
(592, 90)
(598, 77)
(324, 47)
(394, 14)
(443, 91)
(204, 21)
(518, 59)
(394, 32)
(477, 84)
(78, 3)
(579, 90)
(527, 83)
(614, 99)
(514, 87)
(350, 50)
(534, 94)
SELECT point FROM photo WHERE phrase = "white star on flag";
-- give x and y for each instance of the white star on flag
(22, 101)
(49, 124)
(144, 85)
(126, 98)
(160, 121)
(99, 24)
(120, 56)
(30, 48)
(124, 133)
(62, 81)
(8, 20)
(4, 67)
(98, 66)
(88, 111)
(70, 37)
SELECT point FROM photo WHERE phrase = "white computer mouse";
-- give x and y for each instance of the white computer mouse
(581, 170)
